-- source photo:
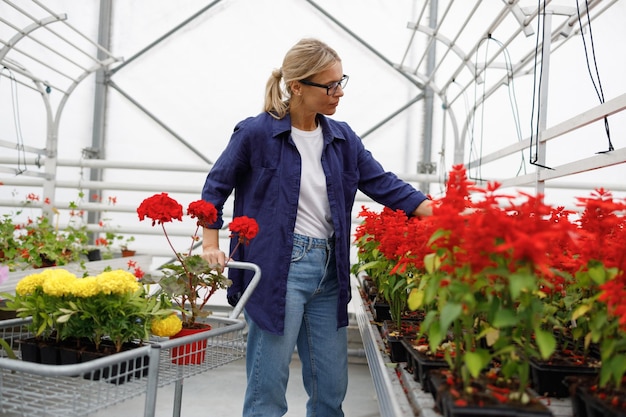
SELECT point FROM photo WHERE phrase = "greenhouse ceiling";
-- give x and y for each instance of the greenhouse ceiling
(433, 83)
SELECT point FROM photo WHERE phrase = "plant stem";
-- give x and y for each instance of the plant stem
(193, 240)
(192, 295)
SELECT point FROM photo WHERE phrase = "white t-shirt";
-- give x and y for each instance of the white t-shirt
(313, 217)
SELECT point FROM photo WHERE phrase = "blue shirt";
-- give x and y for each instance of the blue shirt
(262, 165)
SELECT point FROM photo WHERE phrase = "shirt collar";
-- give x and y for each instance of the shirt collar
(280, 126)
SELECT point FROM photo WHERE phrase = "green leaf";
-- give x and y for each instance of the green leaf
(430, 318)
(546, 343)
(64, 318)
(605, 375)
(519, 283)
(490, 334)
(399, 285)
(598, 274)
(435, 336)
(7, 349)
(438, 235)
(477, 361)
(416, 299)
(581, 311)
(618, 368)
(432, 262)
(505, 318)
(449, 313)
(368, 265)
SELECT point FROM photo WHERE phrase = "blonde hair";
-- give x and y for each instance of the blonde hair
(305, 59)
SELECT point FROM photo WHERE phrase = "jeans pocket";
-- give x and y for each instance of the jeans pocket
(297, 252)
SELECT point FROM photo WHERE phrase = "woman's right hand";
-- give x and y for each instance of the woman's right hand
(214, 256)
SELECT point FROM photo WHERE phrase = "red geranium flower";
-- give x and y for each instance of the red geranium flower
(204, 211)
(246, 227)
(161, 208)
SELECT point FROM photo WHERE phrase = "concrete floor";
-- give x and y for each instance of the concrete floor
(219, 393)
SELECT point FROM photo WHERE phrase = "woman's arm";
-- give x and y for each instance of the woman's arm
(211, 247)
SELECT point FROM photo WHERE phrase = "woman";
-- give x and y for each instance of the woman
(297, 173)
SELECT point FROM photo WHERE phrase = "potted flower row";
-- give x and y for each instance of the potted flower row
(39, 241)
(120, 307)
(505, 281)
(101, 314)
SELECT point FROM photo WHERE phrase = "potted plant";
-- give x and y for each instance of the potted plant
(124, 247)
(190, 281)
(110, 240)
(389, 244)
(482, 268)
(83, 315)
(9, 245)
(39, 241)
(495, 267)
(598, 307)
(509, 281)
(43, 244)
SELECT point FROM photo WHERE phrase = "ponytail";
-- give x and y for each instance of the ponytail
(275, 103)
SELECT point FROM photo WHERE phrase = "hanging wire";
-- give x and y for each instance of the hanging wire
(512, 100)
(443, 178)
(598, 88)
(478, 176)
(534, 129)
(443, 175)
(19, 143)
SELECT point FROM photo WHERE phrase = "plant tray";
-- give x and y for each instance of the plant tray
(420, 364)
(44, 390)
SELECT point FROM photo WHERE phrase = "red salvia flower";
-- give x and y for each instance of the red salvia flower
(614, 296)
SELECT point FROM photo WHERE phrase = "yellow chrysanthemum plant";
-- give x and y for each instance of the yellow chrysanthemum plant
(112, 305)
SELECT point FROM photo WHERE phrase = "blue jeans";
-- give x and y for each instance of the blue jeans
(311, 324)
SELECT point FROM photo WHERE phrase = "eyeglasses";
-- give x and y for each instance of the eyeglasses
(331, 88)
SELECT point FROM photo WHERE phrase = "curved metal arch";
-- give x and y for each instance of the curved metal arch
(24, 33)
(450, 46)
(53, 116)
(435, 36)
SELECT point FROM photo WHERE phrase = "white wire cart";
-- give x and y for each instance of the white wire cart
(39, 390)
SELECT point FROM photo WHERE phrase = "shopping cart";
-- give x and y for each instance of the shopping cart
(40, 390)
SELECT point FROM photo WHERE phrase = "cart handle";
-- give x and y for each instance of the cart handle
(249, 289)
